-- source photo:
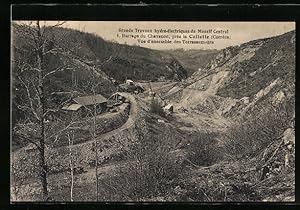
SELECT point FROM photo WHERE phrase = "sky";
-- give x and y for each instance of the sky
(235, 33)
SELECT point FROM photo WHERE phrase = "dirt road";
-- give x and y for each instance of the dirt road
(127, 125)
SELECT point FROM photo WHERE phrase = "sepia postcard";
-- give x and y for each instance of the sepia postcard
(152, 111)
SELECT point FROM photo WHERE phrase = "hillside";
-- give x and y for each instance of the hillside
(192, 60)
(82, 60)
(74, 75)
(119, 61)
(245, 100)
(85, 54)
(245, 76)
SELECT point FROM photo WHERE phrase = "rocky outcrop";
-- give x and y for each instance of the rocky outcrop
(258, 73)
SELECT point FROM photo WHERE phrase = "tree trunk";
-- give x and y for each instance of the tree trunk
(42, 162)
(71, 166)
(96, 152)
(43, 172)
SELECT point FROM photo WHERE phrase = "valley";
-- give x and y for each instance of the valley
(173, 125)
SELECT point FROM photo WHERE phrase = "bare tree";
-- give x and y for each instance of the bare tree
(32, 76)
(92, 126)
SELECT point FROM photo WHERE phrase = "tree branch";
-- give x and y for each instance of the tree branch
(58, 24)
(29, 98)
(54, 71)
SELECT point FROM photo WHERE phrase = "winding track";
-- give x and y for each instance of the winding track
(128, 124)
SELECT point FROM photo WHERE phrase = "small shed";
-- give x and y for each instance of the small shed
(115, 100)
(169, 108)
(129, 82)
(151, 93)
(139, 88)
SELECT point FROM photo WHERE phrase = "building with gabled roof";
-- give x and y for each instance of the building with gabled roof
(84, 104)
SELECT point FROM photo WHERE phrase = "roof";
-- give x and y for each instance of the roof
(89, 100)
(115, 94)
(168, 106)
(140, 86)
(123, 85)
(72, 107)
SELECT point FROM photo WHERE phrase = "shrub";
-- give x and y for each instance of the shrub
(247, 137)
(218, 189)
(141, 180)
(149, 172)
(203, 149)
(156, 108)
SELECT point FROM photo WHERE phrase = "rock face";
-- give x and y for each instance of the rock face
(177, 69)
(258, 73)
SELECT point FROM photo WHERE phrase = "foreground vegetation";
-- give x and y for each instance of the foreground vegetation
(246, 163)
